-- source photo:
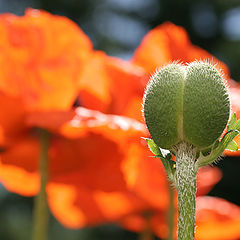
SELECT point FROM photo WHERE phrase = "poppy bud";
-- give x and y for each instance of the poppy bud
(186, 104)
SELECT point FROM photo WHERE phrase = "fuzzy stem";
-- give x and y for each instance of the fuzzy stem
(186, 186)
(40, 220)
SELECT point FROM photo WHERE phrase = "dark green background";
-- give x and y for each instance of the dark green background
(117, 27)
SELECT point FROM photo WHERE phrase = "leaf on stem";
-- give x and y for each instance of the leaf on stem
(218, 147)
(165, 156)
(216, 152)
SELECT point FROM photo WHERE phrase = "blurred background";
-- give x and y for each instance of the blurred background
(117, 27)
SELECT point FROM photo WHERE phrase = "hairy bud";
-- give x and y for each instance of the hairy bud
(186, 104)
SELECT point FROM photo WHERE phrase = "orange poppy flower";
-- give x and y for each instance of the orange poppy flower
(40, 67)
(167, 43)
(112, 86)
(49, 72)
(85, 168)
(39, 63)
(217, 219)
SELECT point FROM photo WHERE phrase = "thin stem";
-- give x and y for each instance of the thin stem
(171, 213)
(186, 185)
(40, 204)
(147, 233)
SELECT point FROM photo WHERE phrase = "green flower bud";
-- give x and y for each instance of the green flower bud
(186, 103)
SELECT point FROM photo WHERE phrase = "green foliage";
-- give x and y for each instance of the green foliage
(227, 142)
(165, 156)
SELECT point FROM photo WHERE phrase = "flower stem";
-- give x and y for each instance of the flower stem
(170, 213)
(147, 233)
(40, 220)
(186, 186)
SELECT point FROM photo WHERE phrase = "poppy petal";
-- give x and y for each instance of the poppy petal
(18, 167)
(109, 85)
(167, 43)
(78, 207)
(217, 219)
(146, 176)
(50, 120)
(47, 63)
(12, 118)
(106, 124)
(95, 145)
(207, 177)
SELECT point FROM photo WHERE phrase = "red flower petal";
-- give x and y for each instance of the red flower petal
(91, 152)
(78, 207)
(41, 59)
(207, 177)
(112, 86)
(50, 120)
(146, 176)
(217, 219)
(12, 118)
(167, 43)
(18, 167)
(90, 120)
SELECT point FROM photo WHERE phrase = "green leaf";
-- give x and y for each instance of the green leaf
(237, 127)
(215, 153)
(170, 168)
(153, 147)
(232, 146)
(165, 157)
(215, 145)
(232, 122)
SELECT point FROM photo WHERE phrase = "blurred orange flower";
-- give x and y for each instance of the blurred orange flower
(167, 43)
(40, 71)
(112, 85)
(39, 63)
(217, 219)
(86, 158)
(53, 62)
(40, 66)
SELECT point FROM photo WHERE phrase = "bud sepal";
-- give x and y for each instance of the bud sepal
(227, 143)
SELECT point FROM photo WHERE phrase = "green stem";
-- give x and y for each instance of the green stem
(147, 233)
(171, 213)
(186, 185)
(40, 221)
